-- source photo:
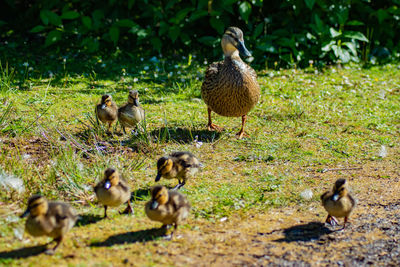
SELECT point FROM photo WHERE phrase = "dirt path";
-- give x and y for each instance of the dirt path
(296, 236)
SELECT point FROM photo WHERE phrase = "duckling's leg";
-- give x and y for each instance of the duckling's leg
(331, 220)
(241, 133)
(105, 212)
(345, 221)
(52, 250)
(128, 210)
(178, 186)
(211, 126)
(123, 129)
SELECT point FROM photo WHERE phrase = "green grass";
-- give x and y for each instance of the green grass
(305, 119)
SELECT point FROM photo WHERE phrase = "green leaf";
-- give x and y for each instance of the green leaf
(52, 37)
(198, 14)
(38, 28)
(355, 23)
(174, 32)
(90, 44)
(98, 14)
(163, 28)
(52, 17)
(258, 30)
(180, 15)
(218, 25)
(352, 47)
(114, 34)
(156, 42)
(142, 33)
(207, 40)
(334, 33)
(44, 17)
(355, 35)
(309, 3)
(125, 23)
(130, 3)
(382, 15)
(245, 10)
(87, 21)
(70, 15)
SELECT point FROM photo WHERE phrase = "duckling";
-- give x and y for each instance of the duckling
(107, 111)
(168, 207)
(113, 191)
(230, 87)
(53, 219)
(338, 202)
(131, 113)
(180, 165)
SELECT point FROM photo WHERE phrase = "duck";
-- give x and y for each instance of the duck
(107, 111)
(113, 191)
(130, 114)
(230, 87)
(49, 218)
(179, 165)
(169, 207)
(338, 203)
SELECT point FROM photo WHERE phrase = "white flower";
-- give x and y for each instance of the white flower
(135, 80)
(26, 64)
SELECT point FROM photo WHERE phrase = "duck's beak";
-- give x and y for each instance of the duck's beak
(107, 185)
(136, 102)
(335, 197)
(26, 213)
(243, 50)
(103, 106)
(158, 177)
(154, 205)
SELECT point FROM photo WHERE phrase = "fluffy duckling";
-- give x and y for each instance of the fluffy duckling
(230, 87)
(107, 111)
(53, 219)
(113, 191)
(168, 207)
(180, 165)
(338, 202)
(131, 113)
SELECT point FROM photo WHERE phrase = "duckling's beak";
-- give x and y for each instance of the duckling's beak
(26, 213)
(154, 205)
(136, 102)
(107, 185)
(158, 177)
(243, 50)
(103, 106)
(335, 197)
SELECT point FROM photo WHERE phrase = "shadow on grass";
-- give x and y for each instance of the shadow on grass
(86, 219)
(21, 253)
(304, 232)
(132, 237)
(140, 194)
(184, 135)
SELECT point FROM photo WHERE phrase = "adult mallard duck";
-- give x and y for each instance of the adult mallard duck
(338, 202)
(48, 218)
(167, 206)
(230, 87)
(131, 113)
(180, 165)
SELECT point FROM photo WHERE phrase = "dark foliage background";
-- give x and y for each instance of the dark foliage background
(284, 33)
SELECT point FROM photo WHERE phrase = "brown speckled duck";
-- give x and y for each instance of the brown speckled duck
(48, 218)
(180, 165)
(113, 191)
(107, 111)
(338, 202)
(131, 113)
(167, 206)
(230, 87)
